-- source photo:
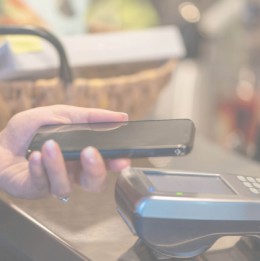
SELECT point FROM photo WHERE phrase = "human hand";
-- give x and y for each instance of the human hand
(46, 172)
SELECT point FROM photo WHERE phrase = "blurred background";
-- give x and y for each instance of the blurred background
(197, 59)
(215, 81)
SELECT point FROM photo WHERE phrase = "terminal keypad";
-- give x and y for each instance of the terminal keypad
(251, 183)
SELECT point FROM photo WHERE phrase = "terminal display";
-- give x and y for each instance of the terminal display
(210, 184)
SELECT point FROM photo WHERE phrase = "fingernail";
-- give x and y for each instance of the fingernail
(125, 116)
(50, 148)
(36, 156)
(90, 154)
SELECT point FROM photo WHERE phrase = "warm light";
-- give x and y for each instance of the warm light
(189, 12)
(246, 84)
(245, 91)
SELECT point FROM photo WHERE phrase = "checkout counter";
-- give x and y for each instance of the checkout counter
(88, 227)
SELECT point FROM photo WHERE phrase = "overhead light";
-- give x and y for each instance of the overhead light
(189, 12)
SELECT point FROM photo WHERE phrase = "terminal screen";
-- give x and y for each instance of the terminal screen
(185, 183)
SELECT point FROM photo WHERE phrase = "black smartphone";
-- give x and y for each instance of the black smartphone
(131, 139)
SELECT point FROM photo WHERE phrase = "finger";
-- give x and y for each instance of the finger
(99, 115)
(55, 168)
(84, 115)
(55, 114)
(39, 182)
(118, 164)
(93, 174)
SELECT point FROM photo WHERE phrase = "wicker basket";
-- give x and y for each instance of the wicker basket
(134, 93)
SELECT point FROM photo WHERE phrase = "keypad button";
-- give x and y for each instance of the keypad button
(251, 179)
(254, 190)
(248, 184)
(256, 185)
(242, 178)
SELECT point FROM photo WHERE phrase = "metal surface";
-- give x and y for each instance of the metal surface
(186, 224)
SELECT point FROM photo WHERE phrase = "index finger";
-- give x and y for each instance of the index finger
(55, 114)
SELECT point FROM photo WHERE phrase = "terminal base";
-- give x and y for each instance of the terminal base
(246, 249)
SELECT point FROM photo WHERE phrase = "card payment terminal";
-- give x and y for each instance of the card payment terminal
(181, 214)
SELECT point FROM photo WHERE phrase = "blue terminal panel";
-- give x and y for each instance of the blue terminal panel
(197, 184)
